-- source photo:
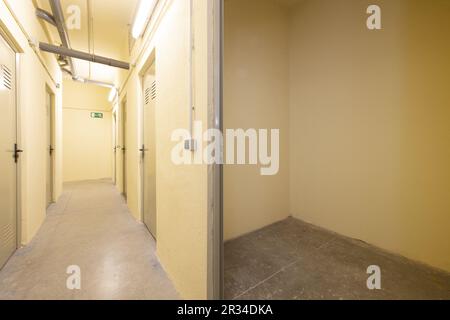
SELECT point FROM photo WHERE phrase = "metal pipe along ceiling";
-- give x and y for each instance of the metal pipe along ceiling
(83, 56)
(58, 17)
(47, 16)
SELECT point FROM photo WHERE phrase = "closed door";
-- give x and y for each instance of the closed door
(8, 154)
(124, 149)
(148, 152)
(50, 149)
(115, 148)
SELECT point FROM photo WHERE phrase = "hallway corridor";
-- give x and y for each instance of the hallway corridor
(89, 227)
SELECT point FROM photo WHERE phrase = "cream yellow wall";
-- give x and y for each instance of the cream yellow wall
(18, 22)
(88, 149)
(368, 118)
(370, 123)
(256, 95)
(85, 96)
(181, 190)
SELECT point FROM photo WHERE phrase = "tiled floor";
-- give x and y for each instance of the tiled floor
(295, 260)
(90, 227)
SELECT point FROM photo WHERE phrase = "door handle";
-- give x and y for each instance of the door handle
(51, 149)
(143, 149)
(17, 151)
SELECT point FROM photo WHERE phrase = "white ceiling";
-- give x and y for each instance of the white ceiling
(110, 25)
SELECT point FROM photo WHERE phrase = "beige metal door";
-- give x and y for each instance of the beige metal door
(124, 148)
(148, 152)
(8, 154)
(115, 148)
(49, 106)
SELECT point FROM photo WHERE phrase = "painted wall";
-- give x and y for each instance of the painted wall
(88, 149)
(370, 124)
(256, 95)
(368, 118)
(18, 22)
(85, 96)
(182, 191)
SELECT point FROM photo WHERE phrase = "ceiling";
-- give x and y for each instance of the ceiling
(108, 36)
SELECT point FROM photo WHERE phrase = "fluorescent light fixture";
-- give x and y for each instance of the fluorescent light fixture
(112, 94)
(145, 10)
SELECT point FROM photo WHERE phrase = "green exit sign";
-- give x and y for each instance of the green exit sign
(96, 115)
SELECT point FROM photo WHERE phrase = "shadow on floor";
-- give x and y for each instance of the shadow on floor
(293, 260)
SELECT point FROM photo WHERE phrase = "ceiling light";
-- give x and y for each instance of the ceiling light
(145, 10)
(112, 94)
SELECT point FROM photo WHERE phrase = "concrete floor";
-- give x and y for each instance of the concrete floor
(295, 260)
(90, 227)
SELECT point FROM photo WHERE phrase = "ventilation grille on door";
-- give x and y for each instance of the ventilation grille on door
(150, 93)
(6, 77)
(154, 90)
(147, 95)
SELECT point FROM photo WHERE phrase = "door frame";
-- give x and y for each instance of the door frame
(215, 175)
